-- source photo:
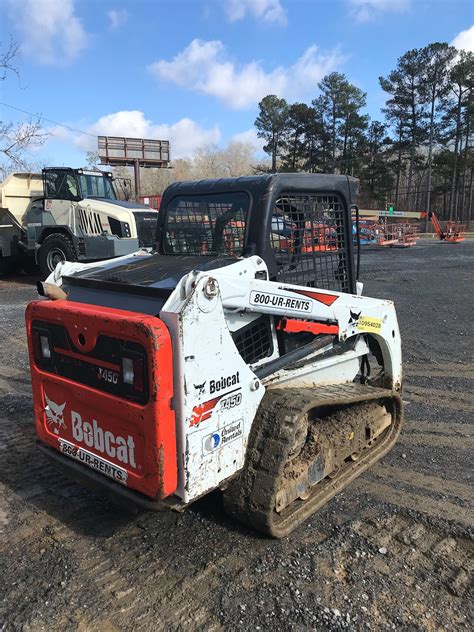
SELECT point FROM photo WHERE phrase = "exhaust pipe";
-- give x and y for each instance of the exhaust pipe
(51, 291)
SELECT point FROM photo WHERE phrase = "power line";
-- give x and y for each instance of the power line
(43, 118)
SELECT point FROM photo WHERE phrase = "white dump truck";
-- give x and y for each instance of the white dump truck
(66, 214)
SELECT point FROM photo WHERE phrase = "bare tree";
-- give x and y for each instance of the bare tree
(7, 60)
(208, 161)
(17, 138)
(92, 159)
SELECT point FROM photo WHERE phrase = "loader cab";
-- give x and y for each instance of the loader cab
(61, 183)
(300, 224)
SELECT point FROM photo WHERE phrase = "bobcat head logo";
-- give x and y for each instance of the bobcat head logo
(354, 317)
(54, 414)
(200, 387)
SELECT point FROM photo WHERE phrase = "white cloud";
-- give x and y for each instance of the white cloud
(249, 137)
(367, 10)
(264, 10)
(203, 66)
(185, 135)
(465, 40)
(50, 31)
(117, 18)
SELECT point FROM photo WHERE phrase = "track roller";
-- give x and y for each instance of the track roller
(306, 445)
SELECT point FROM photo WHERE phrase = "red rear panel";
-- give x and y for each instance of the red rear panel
(102, 385)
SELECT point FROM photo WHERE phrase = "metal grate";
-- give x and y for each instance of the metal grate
(309, 241)
(146, 227)
(254, 341)
(206, 225)
(90, 222)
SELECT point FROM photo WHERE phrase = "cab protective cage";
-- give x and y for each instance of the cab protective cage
(299, 224)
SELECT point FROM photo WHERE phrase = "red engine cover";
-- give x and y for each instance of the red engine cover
(134, 443)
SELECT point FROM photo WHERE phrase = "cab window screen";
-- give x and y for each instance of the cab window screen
(308, 238)
(206, 224)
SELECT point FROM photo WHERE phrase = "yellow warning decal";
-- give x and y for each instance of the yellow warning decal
(367, 323)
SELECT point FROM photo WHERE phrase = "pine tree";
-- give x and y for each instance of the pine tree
(272, 124)
(439, 57)
(406, 107)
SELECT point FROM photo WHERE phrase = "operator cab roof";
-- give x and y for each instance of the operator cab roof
(267, 183)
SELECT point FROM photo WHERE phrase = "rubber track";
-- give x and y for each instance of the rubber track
(251, 497)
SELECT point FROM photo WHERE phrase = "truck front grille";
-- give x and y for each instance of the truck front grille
(146, 228)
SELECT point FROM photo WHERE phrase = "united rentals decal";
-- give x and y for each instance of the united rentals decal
(220, 438)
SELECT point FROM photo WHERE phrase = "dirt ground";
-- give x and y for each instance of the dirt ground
(394, 551)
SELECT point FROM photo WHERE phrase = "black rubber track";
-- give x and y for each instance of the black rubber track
(251, 497)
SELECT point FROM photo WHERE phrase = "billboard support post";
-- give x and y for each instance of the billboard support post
(134, 152)
(136, 172)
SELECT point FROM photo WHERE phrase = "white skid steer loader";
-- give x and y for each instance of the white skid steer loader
(239, 355)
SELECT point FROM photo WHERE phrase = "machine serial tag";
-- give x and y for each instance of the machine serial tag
(367, 323)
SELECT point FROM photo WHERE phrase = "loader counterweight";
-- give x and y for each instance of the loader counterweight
(102, 386)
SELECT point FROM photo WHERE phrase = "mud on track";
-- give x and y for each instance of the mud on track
(393, 551)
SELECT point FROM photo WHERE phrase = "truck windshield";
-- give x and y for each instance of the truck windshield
(96, 186)
(210, 224)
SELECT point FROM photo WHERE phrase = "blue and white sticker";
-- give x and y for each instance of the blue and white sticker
(211, 442)
(220, 438)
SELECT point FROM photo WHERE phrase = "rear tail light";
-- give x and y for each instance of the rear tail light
(133, 372)
(41, 346)
(128, 374)
(45, 348)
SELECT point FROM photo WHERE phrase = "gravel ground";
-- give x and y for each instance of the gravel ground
(394, 551)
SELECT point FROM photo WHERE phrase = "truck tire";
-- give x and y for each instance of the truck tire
(6, 265)
(55, 248)
(28, 264)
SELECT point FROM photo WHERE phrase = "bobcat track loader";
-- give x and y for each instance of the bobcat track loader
(239, 355)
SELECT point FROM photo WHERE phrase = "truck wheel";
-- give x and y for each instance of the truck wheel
(28, 264)
(6, 265)
(55, 248)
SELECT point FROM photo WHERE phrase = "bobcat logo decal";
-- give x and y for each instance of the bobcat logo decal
(354, 317)
(54, 414)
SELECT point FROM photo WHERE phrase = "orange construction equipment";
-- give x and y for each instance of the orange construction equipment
(401, 235)
(455, 231)
(319, 238)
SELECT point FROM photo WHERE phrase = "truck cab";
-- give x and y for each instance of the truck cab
(69, 214)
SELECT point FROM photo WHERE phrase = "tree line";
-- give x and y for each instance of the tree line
(419, 157)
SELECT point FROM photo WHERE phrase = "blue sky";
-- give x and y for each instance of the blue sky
(193, 71)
